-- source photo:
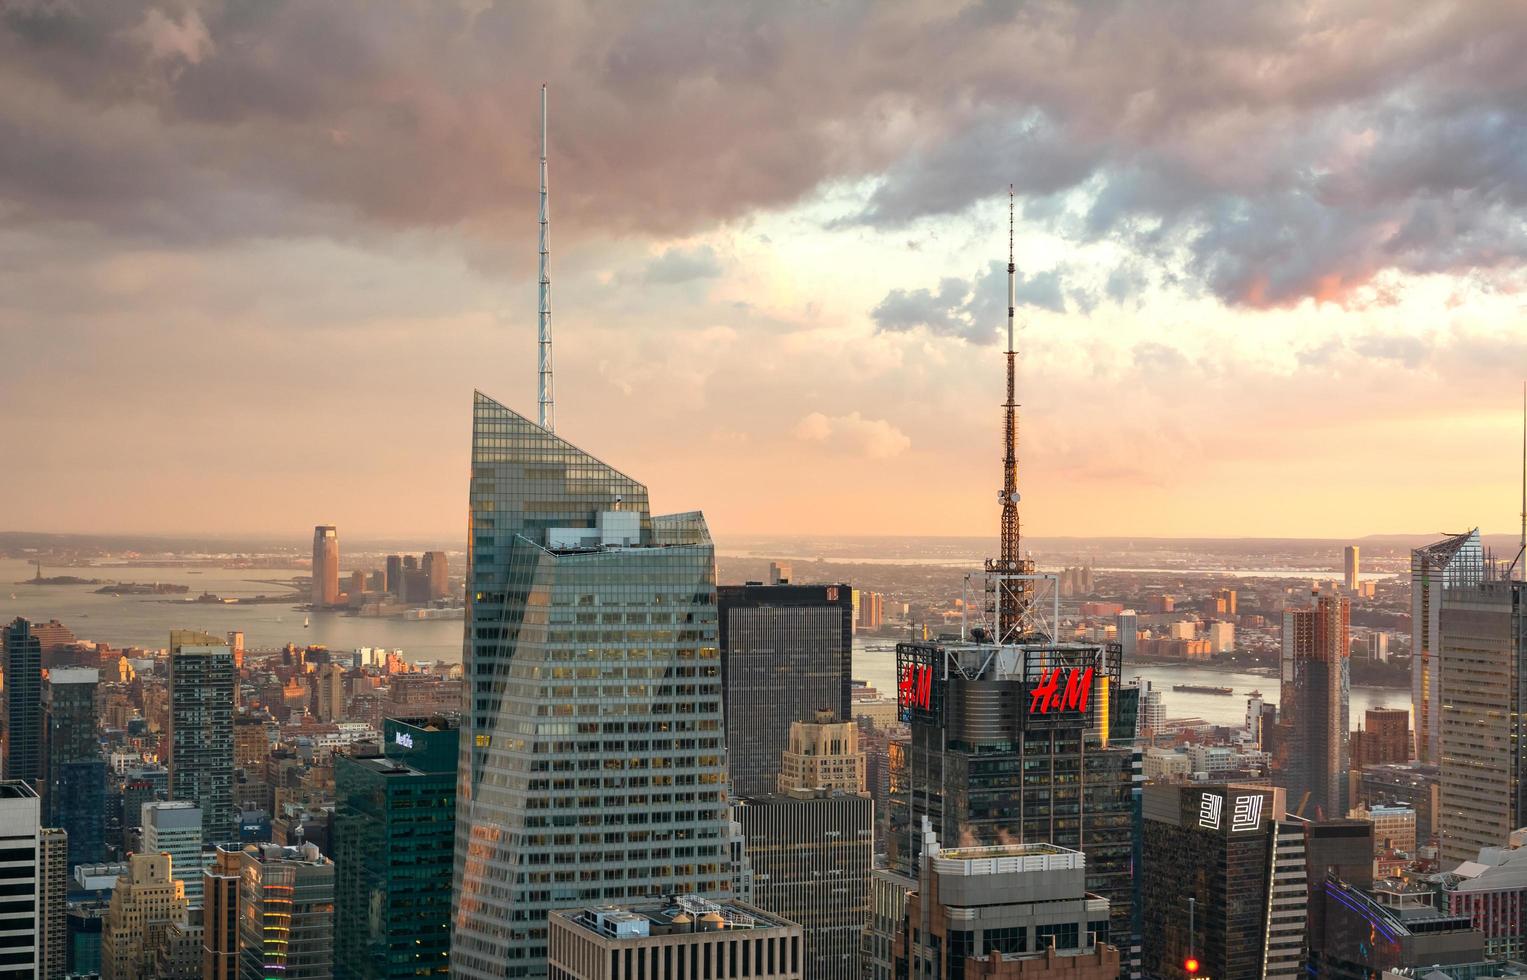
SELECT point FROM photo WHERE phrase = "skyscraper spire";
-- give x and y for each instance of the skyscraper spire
(548, 416)
(1012, 591)
(1521, 553)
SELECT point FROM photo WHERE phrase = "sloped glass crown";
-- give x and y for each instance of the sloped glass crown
(526, 480)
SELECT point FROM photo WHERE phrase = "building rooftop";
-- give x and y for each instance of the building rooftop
(1006, 859)
(677, 915)
(16, 789)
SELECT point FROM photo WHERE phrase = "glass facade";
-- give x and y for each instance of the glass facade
(286, 913)
(201, 730)
(986, 768)
(394, 833)
(786, 652)
(1314, 707)
(74, 792)
(1213, 843)
(1450, 563)
(592, 763)
(22, 732)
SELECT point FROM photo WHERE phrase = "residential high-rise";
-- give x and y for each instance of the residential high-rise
(21, 747)
(1053, 711)
(437, 574)
(811, 846)
(200, 738)
(590, 654)
(1214, 844)
(1383, 739)
(220, 914)
(1128, 625)
(780, 573)
(680, 939)
(174, 827)
(52, 904)
(1314, 706)
(21, 877)
(1453, 562)
(145, 900)
(786, 652)
(325, 566)
(1349, 563)
(74, 783)
(286, 913)
(1004, 911)
(394, 840)
(1482, 643)
(330, 683)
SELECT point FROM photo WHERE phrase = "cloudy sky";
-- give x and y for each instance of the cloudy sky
(255, 256)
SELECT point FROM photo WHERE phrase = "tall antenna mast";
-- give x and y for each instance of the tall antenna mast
(548, 418)
(1013, 591)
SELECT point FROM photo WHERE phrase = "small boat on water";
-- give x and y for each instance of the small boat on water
(305, 623)
(1202, 689)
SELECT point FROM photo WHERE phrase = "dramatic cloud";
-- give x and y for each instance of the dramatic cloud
(1278, 151)
(852, 433)
(973, 310)
(1247, 231)
(677, 265)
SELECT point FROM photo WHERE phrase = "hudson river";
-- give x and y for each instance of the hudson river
(146, 621)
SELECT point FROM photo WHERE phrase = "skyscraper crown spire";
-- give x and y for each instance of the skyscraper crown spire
(546, 400)
(1007, 575)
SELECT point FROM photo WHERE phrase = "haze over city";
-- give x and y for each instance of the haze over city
(1269, 261)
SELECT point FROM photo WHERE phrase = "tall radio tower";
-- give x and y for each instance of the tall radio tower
(548, 417)
(1007, 573)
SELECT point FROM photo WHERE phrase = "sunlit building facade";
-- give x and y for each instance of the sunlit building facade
(592, 762)
(1452, 562)
(1314, 710)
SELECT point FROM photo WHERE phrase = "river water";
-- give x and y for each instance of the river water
(146, 621)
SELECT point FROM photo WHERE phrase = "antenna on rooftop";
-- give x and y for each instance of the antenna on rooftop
(548, 410)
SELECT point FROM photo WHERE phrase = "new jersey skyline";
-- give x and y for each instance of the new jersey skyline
(1269, 262)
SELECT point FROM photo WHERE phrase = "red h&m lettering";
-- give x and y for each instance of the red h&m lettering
(1047, 694)
(916, 687)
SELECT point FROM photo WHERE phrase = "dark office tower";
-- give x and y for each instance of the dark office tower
(394, 580)
(201, 730)
(1214, 844)
(1483, 653)
(74, 790)
(1313, 709)
(22, 756)
(1450, 563)
(592, 737)
(437, 574)
(325, 566)
(811, 846)
(394, 837)
(786, 652)
(1029, 742)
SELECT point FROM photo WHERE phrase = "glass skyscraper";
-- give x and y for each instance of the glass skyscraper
(201, 730)
(393, 845)
(1314, 707)
(74, 791)
(21, 747)
(1447, 564)
(786, 653)
(592, 764)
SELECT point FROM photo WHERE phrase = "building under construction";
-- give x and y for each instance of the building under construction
(1018, 737)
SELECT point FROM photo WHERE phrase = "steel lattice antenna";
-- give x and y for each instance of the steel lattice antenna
(548, 416)
(1012, 594)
